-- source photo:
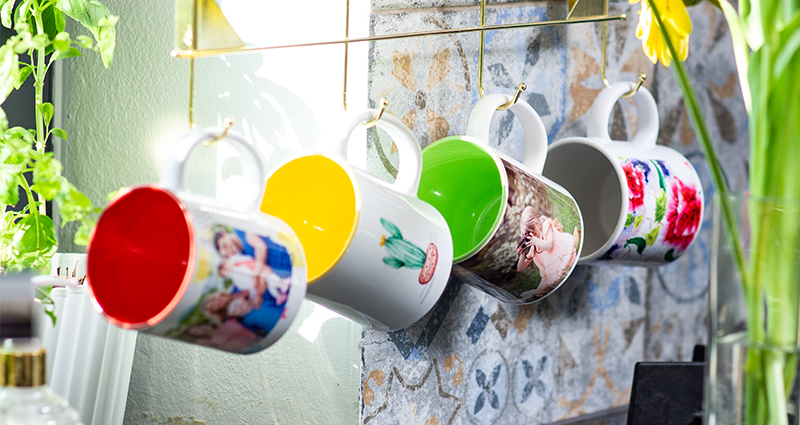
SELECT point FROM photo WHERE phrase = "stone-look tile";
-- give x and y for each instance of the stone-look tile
(473, 359)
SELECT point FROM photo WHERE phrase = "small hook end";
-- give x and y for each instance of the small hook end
(633, 91)
(374, 121)
(520, 88)
(227, 123)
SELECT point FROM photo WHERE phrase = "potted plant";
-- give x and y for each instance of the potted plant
(27, 237)
(754, 355)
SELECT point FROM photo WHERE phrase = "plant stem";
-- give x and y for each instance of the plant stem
(40, 69)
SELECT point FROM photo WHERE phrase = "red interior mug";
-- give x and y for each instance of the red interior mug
(171, 263)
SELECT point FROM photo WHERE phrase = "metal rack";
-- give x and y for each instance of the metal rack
(201, 30)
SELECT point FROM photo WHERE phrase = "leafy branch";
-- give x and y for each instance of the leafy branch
(27, 237)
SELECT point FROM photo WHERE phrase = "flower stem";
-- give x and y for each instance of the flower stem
(40, 70)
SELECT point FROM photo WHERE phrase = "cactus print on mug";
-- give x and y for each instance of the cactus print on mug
(402, 253)
(534, 249)
(665, 209)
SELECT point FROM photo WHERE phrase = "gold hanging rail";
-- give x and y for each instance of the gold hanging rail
(214, 52)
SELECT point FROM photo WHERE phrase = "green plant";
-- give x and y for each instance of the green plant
(766, 44)
(27, 237)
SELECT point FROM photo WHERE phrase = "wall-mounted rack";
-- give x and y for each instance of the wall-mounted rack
(202, 30)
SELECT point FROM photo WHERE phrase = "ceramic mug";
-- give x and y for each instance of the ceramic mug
(516, 235)
(376, 253)
(642, 203)
(168, 262)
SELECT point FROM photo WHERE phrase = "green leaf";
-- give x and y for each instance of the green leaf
(3, 120)
(61, 42)
(652, 235)
(65, 54)
(23, 12)
(391, 228)
(53, 23)
(36, 241)
(661, 205)
(670, 256)
(9, 71)
(82, 235)
(47, 179)
(740, 52)
(6, 11)
(85, 41)
(73, 205)
(637, 222)
(24, 73)
(9, 192)
(640, 243)
(629, 220)
(95, 17)
(393, 262)
(47, 112)
(786, 54)
(60, 133)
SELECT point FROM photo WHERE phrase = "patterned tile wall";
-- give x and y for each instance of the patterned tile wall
(473, 359)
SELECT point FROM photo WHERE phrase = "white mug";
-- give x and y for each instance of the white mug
(642, 203)
(376, 252)
(168, 262)
(517, 235)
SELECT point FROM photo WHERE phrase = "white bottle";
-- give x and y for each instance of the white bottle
(24, 397)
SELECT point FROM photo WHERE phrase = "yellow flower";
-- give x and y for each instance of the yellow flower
(678, 24)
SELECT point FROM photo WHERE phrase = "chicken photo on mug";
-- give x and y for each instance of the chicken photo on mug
(535, 248)
(244, 293)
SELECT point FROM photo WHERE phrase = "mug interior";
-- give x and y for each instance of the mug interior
(140, 257)
(463, 182)
(592, 179)
(316, 197)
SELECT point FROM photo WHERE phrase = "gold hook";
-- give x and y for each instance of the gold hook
(605, 55)
(227, 123)
(480, 50)
(633, 91)
(374, 121)
(520, 88)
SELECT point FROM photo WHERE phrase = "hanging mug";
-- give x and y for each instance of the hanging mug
(376, 253)
(168, 262)
(642, 203)
(516, 234)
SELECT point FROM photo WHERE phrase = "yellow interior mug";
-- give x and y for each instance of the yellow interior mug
(375, 252)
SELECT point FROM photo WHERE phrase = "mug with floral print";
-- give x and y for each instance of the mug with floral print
(642, 204)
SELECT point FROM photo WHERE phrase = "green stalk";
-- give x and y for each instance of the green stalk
(39, 73)
(765, 373)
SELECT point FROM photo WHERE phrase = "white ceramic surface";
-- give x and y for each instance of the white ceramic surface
(642, 203)
(362, 286)
(241, 218)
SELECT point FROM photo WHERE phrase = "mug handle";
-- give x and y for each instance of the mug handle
(535, 134)
(603, 106)
(408, 150)
(172, 172)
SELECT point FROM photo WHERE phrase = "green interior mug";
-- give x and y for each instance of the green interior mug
(484, 194)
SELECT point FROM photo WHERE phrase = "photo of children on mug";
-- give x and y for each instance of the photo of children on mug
(535, 248)
(244, 294)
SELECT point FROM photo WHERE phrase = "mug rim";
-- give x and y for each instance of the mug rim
(188, 274)
(350, 171)
(598, 145)
(503, 181)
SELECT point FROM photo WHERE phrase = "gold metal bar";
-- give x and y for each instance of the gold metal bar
(214, 52)
(346, 51)
(605, 55)
(481, 49)
(191, 94)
